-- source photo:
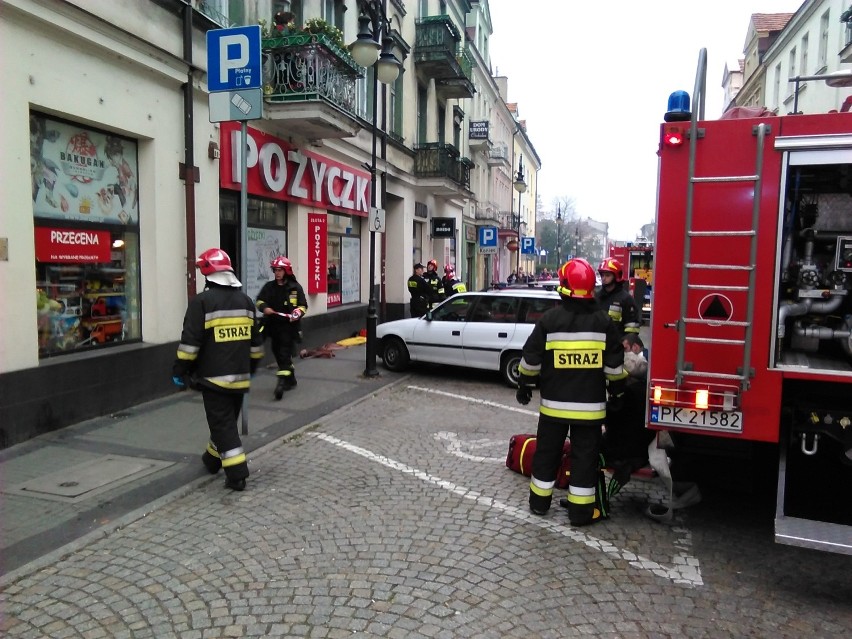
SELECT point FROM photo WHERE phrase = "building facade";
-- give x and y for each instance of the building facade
(129, 179)
(815, 40)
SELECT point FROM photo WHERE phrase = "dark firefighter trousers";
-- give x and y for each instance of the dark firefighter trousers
(586, 441)
(222, 410)
(284, 340)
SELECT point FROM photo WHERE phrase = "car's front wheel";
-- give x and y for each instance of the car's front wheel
(394, 354)
(509, 368)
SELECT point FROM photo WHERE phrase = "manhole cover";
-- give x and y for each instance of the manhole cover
(89, 478)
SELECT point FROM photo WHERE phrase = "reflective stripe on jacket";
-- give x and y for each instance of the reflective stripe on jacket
(574, 349)
(221, 344)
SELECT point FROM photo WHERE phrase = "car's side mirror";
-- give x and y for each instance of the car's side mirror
(428, 316)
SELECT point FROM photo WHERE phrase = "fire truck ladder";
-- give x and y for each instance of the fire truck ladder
(685, 369)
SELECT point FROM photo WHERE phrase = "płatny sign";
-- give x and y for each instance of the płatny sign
(277, 170)
(488, 240)
(443, 227)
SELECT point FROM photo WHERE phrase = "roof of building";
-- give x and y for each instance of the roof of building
(770, 21)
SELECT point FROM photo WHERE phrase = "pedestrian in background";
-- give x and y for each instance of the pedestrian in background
(574, 352)
(220, 348)
(283, 304)
(614, 299)
(434, 280)
(420, 290)
(634, 356)
(452, 284)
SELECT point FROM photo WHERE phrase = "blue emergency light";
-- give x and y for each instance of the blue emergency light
(678, 109)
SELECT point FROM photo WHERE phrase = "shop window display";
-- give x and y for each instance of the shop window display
(86, 211)
(343, 269)
(87, 305)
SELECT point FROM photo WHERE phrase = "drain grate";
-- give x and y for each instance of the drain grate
(89, 478)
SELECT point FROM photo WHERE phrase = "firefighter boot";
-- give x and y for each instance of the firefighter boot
(585, 514)
(210, 459)
(290, 380)
(280, 387)
(235, 484)
(539, 499)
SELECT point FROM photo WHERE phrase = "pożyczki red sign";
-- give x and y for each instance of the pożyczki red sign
(278, 170)
(72, 245)
(317, 251)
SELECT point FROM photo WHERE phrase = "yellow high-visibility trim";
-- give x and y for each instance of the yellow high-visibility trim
(573, 414)
(581, 500)
(578, 345)
(236, 459)
(229, 321)
(541, 492)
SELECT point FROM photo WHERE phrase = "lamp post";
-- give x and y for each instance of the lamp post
(558, 227)
(520, 186)
(366, 51)
(577, 240)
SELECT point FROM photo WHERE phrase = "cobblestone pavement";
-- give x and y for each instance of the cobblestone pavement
(396, 517)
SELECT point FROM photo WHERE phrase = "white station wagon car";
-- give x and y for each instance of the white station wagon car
(484, 330)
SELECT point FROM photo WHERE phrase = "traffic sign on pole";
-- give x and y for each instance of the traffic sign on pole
(233, 58)
(488, 240)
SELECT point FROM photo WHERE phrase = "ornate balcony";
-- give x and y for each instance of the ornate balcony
(498, 155)
(309, 86)
(450, 173)
(439, 55)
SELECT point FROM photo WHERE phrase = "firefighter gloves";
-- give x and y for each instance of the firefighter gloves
(524, 395)
(615, 403)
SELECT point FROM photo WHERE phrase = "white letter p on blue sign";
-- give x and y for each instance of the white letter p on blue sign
(226, 45)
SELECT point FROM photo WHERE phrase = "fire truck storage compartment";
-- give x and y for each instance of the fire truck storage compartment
(818, 477)
(813, 326)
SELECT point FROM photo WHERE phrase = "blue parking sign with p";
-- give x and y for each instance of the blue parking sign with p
(528, 245)
(233, 58)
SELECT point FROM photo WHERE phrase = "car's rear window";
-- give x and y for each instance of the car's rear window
(534, 307)
(496, 309)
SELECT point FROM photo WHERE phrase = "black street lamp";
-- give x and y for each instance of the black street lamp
(558, 227)
(520, 186)
(366, 51)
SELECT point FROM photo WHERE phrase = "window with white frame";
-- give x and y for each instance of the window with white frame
(803, 67)
(776, 93)
(792, 73)
(823, 41)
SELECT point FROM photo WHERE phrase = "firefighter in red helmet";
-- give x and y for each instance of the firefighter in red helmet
(452, 284)
(434, 280)
(220, 348)
(575, 353)
(615, 299)
(283, 304)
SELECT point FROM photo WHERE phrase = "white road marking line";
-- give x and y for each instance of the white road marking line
(454, 447)
(475, 400)
(685, 569)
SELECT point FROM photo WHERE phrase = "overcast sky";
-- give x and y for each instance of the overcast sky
(592, 81)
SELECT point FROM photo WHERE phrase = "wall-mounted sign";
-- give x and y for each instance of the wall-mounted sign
(82, 174)
(478, 130)
(443, 227)
(317, 246)
(72, 245)
(280, 171)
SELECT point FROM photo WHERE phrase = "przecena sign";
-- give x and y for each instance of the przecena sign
(278, 170)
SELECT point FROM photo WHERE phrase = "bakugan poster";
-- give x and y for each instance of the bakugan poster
(82, 174)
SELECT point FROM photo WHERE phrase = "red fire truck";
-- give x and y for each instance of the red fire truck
(637, 260)
(751, 336)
